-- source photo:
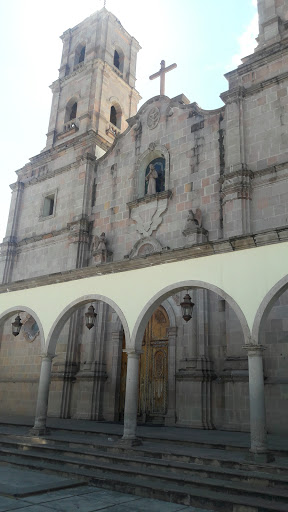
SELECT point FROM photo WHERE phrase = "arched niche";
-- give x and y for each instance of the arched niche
(158, 156)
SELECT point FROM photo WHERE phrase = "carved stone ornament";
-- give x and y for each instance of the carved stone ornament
(148, 216)
(144, 247)
(169, 111)
(153, 117)
(194, 230)
(137, 127)
(30, 329)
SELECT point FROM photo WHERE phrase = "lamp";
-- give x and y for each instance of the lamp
(187, 307)
(90, 317)
(16, 325)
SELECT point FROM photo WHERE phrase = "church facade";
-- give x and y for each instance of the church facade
(116, 188)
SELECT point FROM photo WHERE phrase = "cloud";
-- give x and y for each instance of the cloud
(246, 41)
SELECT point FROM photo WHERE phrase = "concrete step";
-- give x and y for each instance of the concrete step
(156, 473)
(145, 459)
(157, 451)
(184, 493)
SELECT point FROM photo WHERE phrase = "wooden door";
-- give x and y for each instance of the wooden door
(153, 371)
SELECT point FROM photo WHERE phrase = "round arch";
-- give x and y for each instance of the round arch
(71, 308)
(20, 309)
(165, 293)
(266, 306)
(71, 109)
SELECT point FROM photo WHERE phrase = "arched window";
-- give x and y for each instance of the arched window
(79, 54)
(82, 54)
(113, 116)
(73, 111)
(118, 59)
(116, 115)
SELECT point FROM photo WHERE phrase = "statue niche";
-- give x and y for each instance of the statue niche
(155, 176)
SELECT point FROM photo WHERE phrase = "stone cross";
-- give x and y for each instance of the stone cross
(162, 73)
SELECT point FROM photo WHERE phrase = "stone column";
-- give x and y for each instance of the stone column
(258, 449)
(39, 428)
(131, 399)
(170, 417)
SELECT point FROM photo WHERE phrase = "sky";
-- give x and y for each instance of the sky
(206, 38)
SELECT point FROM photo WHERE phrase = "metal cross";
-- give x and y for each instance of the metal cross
(162, 73)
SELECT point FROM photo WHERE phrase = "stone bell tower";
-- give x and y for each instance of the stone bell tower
(273, 21)
(95, 92)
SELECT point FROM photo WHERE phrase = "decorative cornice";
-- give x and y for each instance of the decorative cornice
(166, 194)
(237, 243)
(241, 92)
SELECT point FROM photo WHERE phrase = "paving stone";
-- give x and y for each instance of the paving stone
(10, 504)
(14, 481)
(63, 493)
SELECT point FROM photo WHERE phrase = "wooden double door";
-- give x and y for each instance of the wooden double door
(153, 371)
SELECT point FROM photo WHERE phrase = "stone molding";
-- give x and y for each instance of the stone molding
(236, 182)
(252, 240)
(147, 199)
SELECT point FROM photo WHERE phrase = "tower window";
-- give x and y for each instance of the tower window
(113, 116)
(79, 54)
(73, 111)
(82, 54)
(116, 60)
(116, 115)
(48, 206)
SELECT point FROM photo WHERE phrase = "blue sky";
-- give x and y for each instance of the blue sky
(206, 38)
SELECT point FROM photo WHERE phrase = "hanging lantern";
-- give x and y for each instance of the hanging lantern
(90, 317)
(187, 308)
(16, 326)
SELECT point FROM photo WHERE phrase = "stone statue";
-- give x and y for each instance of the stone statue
(102, 242)
(194, 219)
(99, 249)
(151, 178)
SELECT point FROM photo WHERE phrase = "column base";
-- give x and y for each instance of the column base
(260, 457)
(39, 431)
(129, 443)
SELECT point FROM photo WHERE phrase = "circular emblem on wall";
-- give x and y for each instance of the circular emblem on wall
(153, 117)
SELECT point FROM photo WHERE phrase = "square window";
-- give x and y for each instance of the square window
(48, 206)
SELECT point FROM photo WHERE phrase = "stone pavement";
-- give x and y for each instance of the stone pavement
(82, 498)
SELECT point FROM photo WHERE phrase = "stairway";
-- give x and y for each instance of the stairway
(194, 474)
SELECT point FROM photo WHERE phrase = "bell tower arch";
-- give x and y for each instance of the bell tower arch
(98, 62)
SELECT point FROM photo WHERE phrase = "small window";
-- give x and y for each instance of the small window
(48, 206)
(113, 116)
(82, 54)
(79, 54)
(73, 111)
(116, 60)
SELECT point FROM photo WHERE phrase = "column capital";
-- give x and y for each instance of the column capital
(254, 350)
(131, 352)
(47, 357)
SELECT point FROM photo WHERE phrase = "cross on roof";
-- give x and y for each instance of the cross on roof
(162, 73)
